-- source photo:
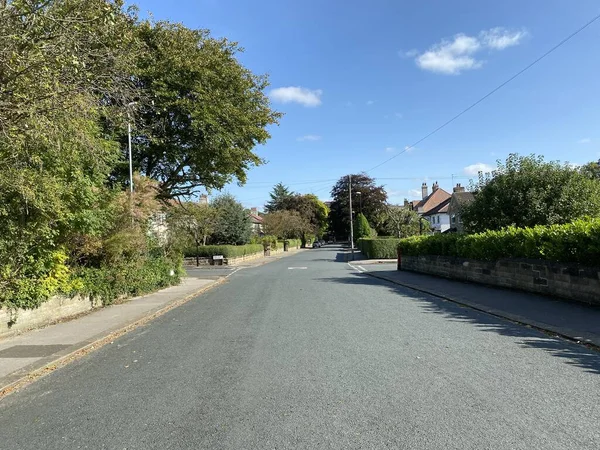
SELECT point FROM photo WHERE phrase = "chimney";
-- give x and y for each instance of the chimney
(406, 204)
(458, 188)
(254, 210)
(203, 200)
(424, 190)
(435, 187)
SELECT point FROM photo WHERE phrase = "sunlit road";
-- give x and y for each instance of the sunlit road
(306, 353)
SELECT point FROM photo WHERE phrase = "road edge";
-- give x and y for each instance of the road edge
(79, 350)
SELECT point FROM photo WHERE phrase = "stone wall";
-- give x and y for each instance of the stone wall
(55, 309)
(191, 261)
(559, 280)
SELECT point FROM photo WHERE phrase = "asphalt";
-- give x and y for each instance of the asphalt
(306, 352)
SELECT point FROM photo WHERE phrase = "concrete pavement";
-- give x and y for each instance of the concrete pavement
(308, 353)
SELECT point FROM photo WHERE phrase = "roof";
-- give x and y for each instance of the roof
(432, 200)
(414, 203)
(255, 219)
(463, 197)
(439, 209)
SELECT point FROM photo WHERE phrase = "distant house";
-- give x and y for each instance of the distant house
(256, 220)
(438, 217)
(460, 198)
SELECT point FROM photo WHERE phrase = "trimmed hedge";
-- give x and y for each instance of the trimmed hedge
(577, 242)
(379, 248)
(292, 243)
(228, 251)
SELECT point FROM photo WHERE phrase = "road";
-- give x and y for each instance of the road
(307, 353)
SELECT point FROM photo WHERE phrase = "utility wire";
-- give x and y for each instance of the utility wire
(493, 91)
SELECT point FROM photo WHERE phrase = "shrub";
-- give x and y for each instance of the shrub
(109, 283)
(577, 242)
(362, 227)
(293, 243)
(269, 242)
(379, 248)
(228, 251)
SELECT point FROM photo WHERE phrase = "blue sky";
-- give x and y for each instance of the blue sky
(359, 81)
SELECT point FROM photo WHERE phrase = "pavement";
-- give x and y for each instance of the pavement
(576, 321)
(309, 353)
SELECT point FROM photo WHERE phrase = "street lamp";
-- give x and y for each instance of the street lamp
(129, 105)
(360, 201)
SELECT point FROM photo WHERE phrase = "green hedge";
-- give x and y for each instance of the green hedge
(577, 242)
(228, 251)
(379, 248)
(293, 243)
(126, 280)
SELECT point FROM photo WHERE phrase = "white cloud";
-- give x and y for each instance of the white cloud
(370, 102)
(390, 149)
(309, 137)
(455, 55)
(474, 169)
(415, 193)
(500, 38)
(297, 94)
(409, 149)
(584, 141)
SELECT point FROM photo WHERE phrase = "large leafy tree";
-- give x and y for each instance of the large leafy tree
(280, 198)
(285, 224)
(526, 190)
(232, 224)
(373, 203)
(591, 170)
(401, 222)
(201, 111)
(313, 212)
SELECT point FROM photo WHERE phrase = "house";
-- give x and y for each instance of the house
(438, 217)
(460, 198)
(256, 220)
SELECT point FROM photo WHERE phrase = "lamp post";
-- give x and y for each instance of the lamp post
(351, 224)
(129, 105)
(360, 200)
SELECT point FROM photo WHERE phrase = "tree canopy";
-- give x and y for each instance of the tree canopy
(233, 222)
(526, 191)
(402, 222)
(201, 112)
(373, 203)
(280, 198)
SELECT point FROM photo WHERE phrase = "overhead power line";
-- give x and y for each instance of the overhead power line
(493, 91)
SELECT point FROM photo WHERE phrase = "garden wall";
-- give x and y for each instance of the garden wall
(568, 281)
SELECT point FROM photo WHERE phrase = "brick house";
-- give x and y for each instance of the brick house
(460, 198)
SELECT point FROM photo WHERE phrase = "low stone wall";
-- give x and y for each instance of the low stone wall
(559, 280)
(55, 309)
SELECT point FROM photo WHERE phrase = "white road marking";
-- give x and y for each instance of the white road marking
(356, 268)
(239, 268)
(299, 268)
(362, 268)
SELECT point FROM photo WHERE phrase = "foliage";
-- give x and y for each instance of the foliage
(379, 248)
(577, 242)
(362, 229)
(280, 197)
(284, 224)
(269, 242)
(402, 222)
(528, 191)
(313, 213)
(591, 170)
(228, 251)
(111, 282)
(373, 203)
(233, 223)
(202, 112)
(191, 222)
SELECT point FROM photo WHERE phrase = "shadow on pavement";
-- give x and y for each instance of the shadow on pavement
(574, 354)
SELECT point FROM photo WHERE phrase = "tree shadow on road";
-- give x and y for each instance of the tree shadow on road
(572, 353)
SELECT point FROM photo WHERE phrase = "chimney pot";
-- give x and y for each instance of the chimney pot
(424, 190)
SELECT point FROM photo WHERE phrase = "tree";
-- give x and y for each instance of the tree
(362, 227)
(233, 222)
(591, 170)
(313, 212)
(373, 203)
(192, 222)
(402, 222)
(526, 191)
(201, 111)
(280, 197)
(285, 224)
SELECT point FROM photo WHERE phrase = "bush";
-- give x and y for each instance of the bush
(228, 251)
(109, 283)
(577, 242)
(379, 248)
(293, 243)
